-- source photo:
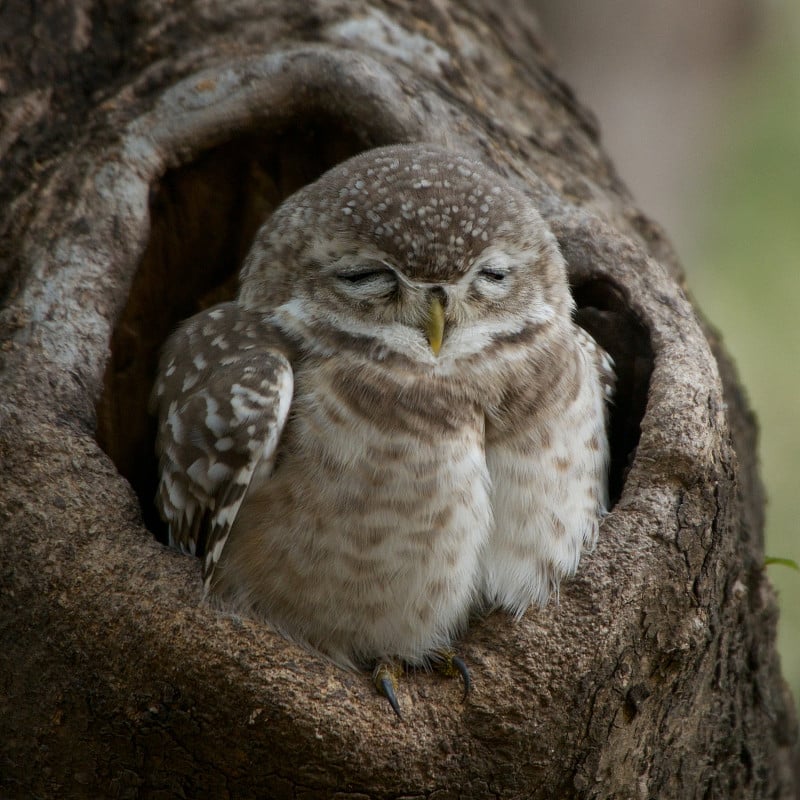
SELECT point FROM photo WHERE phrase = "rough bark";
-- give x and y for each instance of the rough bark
(141, 143)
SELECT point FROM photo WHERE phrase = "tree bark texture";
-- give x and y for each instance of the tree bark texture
(141, 143)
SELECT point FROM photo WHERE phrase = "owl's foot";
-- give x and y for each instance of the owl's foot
(448, 663)
(385, 678)
(387, 675)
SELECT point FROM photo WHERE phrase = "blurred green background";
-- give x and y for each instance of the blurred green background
(744, 269)
(699, 106)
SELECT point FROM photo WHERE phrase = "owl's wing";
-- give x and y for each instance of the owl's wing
(222, 397)
(548, 476)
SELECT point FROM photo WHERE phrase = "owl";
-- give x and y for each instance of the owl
(396, 423)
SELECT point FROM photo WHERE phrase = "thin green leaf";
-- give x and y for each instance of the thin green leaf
(784, 562)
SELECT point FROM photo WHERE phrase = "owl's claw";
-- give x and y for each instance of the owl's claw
(385, 679)
(463, 671)
(387, 674)
(452, 665)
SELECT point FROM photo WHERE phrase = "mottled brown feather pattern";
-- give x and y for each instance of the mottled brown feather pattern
(407, 485)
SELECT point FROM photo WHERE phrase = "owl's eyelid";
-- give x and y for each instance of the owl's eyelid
(358, 273)
(363, 269)
(494, 273)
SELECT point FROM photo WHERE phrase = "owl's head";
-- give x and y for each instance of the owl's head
(423, 252)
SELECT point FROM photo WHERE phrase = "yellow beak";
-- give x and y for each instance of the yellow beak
(434, 325)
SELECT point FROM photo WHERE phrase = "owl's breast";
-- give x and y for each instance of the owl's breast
(378, 510)
(406, 404)
(377, 443)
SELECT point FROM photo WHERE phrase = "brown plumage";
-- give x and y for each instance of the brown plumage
(397, 421)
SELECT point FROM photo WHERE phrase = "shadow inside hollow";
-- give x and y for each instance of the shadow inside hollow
(204, 215)
(602, 311)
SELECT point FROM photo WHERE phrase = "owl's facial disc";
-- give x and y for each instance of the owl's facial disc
(367, 292)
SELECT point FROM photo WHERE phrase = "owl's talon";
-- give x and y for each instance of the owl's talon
(463, 671)
(385, 680)
(453, 666)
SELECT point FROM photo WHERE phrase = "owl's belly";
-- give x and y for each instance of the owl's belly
(372, 539)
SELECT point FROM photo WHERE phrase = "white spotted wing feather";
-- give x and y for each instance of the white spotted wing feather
(222, 397)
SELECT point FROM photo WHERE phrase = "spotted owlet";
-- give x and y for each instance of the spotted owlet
(397, 420)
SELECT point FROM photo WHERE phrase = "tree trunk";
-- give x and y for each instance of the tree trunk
(141, 145)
